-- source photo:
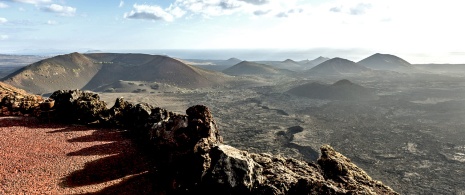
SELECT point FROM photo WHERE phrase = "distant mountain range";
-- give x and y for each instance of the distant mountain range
(340, 90)
(90, 71)
(220, 65)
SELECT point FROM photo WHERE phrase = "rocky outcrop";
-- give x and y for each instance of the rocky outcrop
(17, 102)
(76, 106)
(191, 157)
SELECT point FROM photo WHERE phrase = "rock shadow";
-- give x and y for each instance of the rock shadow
(286, 138)
(107, 169)
(122, 159)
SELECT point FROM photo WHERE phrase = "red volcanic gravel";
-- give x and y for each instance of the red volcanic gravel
(41, 158)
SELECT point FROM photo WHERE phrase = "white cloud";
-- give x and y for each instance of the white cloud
(256, 2)
(52, 22)
(62, 10)
(212, 7)
(35, 2)
(121, 3)
(208, 8)
(351, 8)
(3, 20)
(154, 12)
(279, 8)
(3, 37)
(3, 5)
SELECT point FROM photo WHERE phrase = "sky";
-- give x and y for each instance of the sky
(419, 31)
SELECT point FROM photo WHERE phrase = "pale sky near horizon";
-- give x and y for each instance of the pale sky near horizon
(420, 31)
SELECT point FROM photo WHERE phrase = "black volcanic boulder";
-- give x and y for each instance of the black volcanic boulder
(192, 159)
(76, 106)
(181, 144)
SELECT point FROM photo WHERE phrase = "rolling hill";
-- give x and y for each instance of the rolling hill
(312, 63)
(385, 62)
(251, 68)
(289, 64)
(340, 90)
(90, 71)
(337, 66)
(71, 71)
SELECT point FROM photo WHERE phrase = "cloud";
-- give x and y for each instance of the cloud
(52, 22)
(3, 20)
(256, 2)
(209, 8)
(3, 37)
(289, 12)
(360, 9)
(3, 5)
(335, 9)
(261, 12)
(59, 9)
(121, 3)
(35, 2)
(154, 12)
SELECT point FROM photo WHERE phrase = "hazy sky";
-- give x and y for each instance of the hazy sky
(418, 30)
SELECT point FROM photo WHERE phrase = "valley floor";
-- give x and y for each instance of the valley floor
(412, 138)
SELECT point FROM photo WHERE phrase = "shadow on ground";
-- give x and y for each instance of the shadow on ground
(121, 159)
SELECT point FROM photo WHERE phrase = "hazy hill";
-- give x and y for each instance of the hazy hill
(12, 63)
(289, 64)
(229, 62)
(307, 64)
(337, 66)
(215, 65)
(251, 68)
(90, 71)
(385, 62)
(314, 62)
(340, 90)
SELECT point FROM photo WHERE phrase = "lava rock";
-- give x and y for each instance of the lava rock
(76, 106)
(18, 102)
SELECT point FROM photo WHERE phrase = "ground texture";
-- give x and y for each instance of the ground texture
(41, 158)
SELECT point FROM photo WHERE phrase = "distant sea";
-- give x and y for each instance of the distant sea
(355, 54)
(224, 54)
(256, 54)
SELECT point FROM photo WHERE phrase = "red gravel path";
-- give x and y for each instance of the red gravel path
(38, 158)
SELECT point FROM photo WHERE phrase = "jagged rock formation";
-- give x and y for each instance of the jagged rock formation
(192, 159)
(17, 102)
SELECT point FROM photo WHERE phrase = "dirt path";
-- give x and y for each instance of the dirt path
(37, 158)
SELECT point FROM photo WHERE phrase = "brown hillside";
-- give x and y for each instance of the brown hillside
(91, 71)
(70, 71)
(153, 68)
